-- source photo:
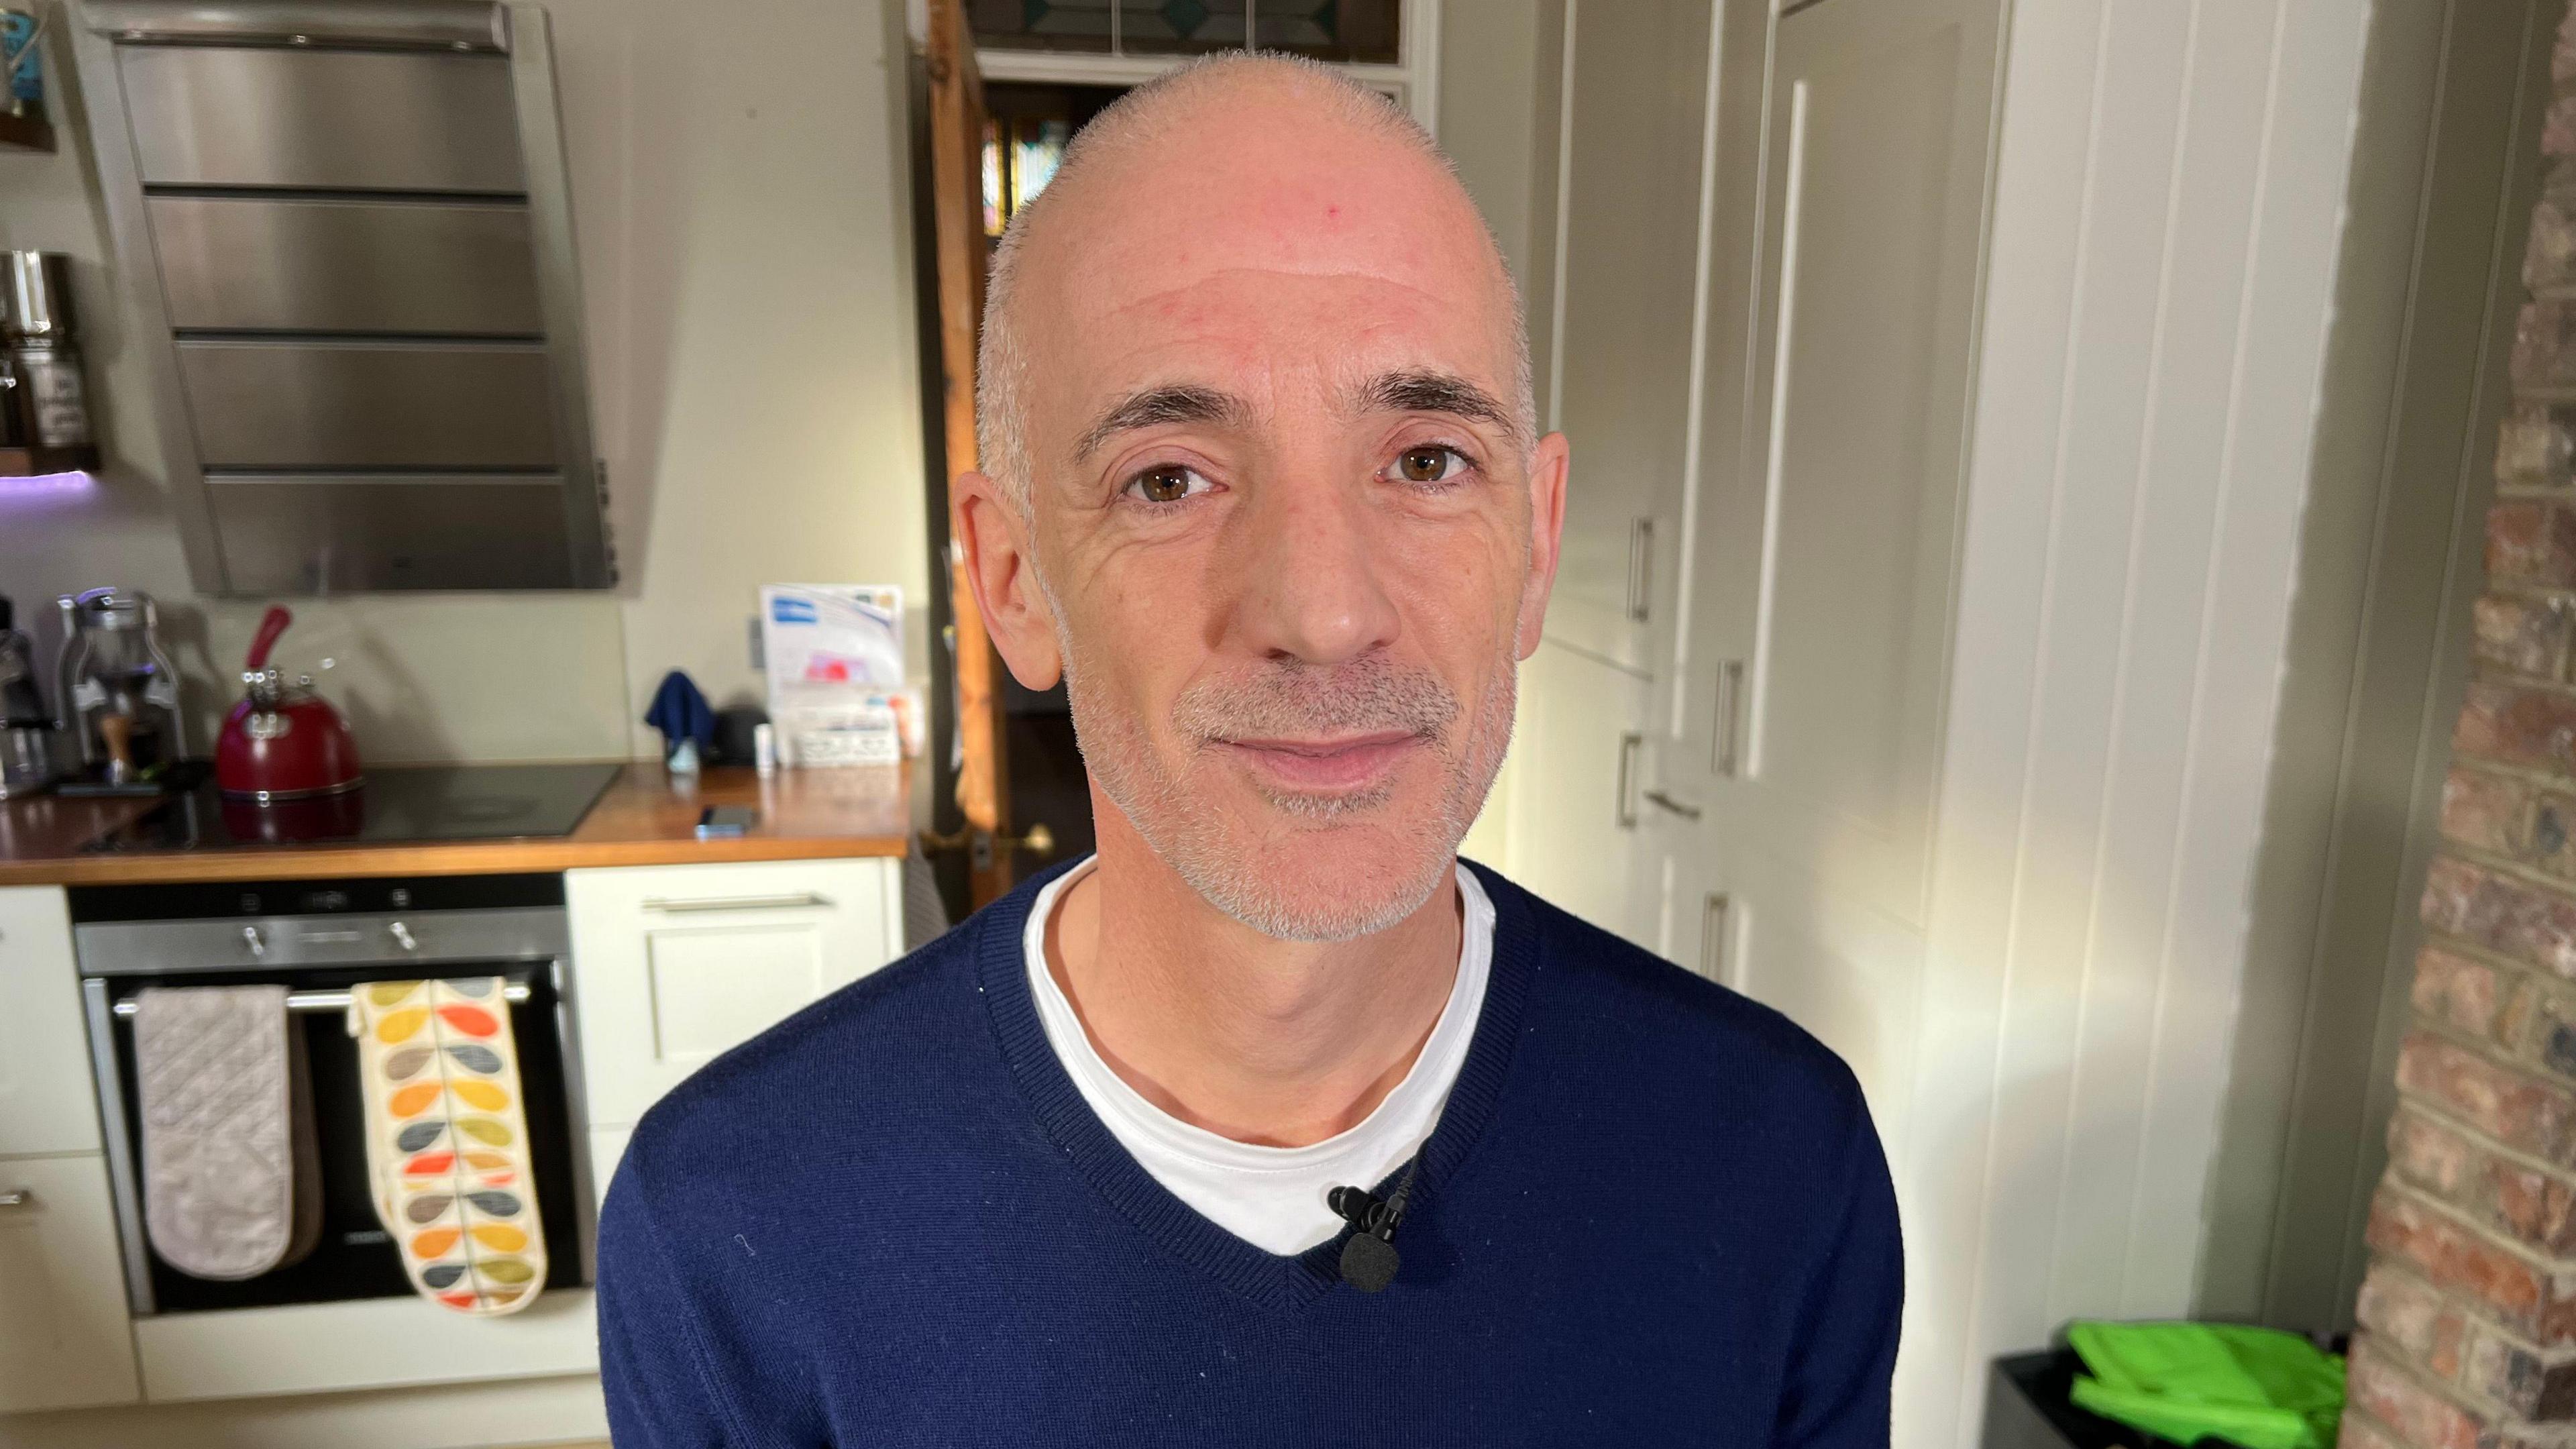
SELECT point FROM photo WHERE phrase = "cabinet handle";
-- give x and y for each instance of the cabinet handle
(1730, 704)
(1716, 915)
(792, 901)
(1641, 564)
(1629, 744)
(514, 992)
(16, 1197)
(1664, 802)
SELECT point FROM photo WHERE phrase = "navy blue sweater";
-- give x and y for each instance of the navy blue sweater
(1653, 1212)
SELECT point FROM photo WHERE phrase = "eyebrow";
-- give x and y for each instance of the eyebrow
(1157, 406)
(1435, 392)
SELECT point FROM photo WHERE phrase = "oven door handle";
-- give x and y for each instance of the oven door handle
(514, 992)
(790, 901)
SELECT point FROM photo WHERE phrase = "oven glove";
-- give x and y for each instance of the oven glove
(447, 1140)
(232, 1184)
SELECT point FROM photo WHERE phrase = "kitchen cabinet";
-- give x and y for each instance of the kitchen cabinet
(675, 964)
(64, 1341)
(1827, 549)
(1571, 830)
(1627, 268)
(46, 1102)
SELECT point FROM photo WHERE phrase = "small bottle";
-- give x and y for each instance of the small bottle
(52, 402)
(764, 749)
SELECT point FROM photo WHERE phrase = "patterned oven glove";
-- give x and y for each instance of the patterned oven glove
(447, 1141)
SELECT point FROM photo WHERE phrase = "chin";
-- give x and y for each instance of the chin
(1306, 880)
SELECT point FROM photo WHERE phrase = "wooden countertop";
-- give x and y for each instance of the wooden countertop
(645, 817)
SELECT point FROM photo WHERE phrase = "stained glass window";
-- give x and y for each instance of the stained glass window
(1355, 31)
(1343, 30)
(1181, 27)
(1041, 24)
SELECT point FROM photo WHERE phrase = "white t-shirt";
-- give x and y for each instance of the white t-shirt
(1271, 1197)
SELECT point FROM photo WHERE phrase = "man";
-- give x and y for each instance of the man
(1264, 488)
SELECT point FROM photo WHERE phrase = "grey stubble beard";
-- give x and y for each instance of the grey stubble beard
(1191, 835)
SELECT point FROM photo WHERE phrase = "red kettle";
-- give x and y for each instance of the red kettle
(282, 742)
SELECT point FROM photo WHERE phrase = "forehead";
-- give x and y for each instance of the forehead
(1247, 255)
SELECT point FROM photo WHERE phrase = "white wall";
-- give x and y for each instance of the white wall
(2166, 217)
(744, 229)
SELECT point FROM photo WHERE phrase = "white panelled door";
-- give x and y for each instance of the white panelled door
(1827, 539)
(1627, 267)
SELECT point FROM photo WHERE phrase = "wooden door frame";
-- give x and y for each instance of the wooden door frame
(958, 260)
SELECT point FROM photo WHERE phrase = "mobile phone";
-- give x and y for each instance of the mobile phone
(724, 822)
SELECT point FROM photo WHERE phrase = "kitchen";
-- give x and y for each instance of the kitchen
(2121, 947)
(515, 817)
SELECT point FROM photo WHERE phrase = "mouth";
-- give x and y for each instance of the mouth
(1348, 764)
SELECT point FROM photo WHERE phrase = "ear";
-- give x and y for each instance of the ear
(1001, 565)
(1548, 465)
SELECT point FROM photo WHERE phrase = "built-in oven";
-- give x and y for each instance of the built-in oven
(320, 940)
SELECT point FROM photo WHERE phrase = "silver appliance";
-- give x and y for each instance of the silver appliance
(348, 227)
(120, 692)
(320, 939)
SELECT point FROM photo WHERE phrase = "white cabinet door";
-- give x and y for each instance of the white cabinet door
(1831, 548)
(1571, 831)
(64, 1340)
(674, 964)
(1627, 268)
(47, 1103)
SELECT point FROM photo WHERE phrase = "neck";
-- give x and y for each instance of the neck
(1281, 1043)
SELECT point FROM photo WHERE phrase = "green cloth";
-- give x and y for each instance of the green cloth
(2258, 1387)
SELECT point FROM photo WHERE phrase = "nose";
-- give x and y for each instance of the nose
(1312, 591)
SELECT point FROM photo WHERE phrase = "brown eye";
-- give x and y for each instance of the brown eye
(1428, 464)
(1166, 483)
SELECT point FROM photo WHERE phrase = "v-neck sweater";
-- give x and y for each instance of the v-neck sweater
(1652, 1212)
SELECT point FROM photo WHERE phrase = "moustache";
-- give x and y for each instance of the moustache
(1369, 695)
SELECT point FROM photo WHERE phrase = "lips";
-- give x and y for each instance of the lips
(1345, 765)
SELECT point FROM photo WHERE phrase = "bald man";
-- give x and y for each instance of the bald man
(1270, 1123)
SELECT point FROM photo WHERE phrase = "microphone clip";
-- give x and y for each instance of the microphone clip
(1369, 1259)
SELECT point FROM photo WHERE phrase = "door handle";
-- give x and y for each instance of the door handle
(1626, 805)
(1730, 705)
(1664, 802)
(1717, 914)
(16, 1197)
(1641, 564)
(791, 901)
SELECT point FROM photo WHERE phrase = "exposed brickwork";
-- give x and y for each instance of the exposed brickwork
(2513, 917)
(2468, 1314)
(2536, 452)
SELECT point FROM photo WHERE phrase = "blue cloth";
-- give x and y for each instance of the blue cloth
(1653, 1212)
(681, 712)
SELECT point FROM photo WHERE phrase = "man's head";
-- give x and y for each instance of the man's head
(1263, 484)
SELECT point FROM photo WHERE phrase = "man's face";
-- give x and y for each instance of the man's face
(1288, 527)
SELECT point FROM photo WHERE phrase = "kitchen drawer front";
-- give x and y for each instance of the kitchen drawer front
(314, 534)
(362, 1343)
(47, 1102)
(327, 119)
(64, 1339)
(434, 267)
(369, 405)
(672, 965)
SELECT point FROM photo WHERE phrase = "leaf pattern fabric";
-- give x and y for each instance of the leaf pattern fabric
(447, 1140)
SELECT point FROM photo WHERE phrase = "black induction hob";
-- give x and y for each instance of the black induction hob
(403, 804)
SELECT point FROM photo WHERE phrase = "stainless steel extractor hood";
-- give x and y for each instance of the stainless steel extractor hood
(345, 233)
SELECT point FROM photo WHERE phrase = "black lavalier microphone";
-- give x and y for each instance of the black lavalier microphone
(1369, 1259)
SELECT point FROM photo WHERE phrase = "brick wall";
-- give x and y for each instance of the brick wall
(2468, 1316)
